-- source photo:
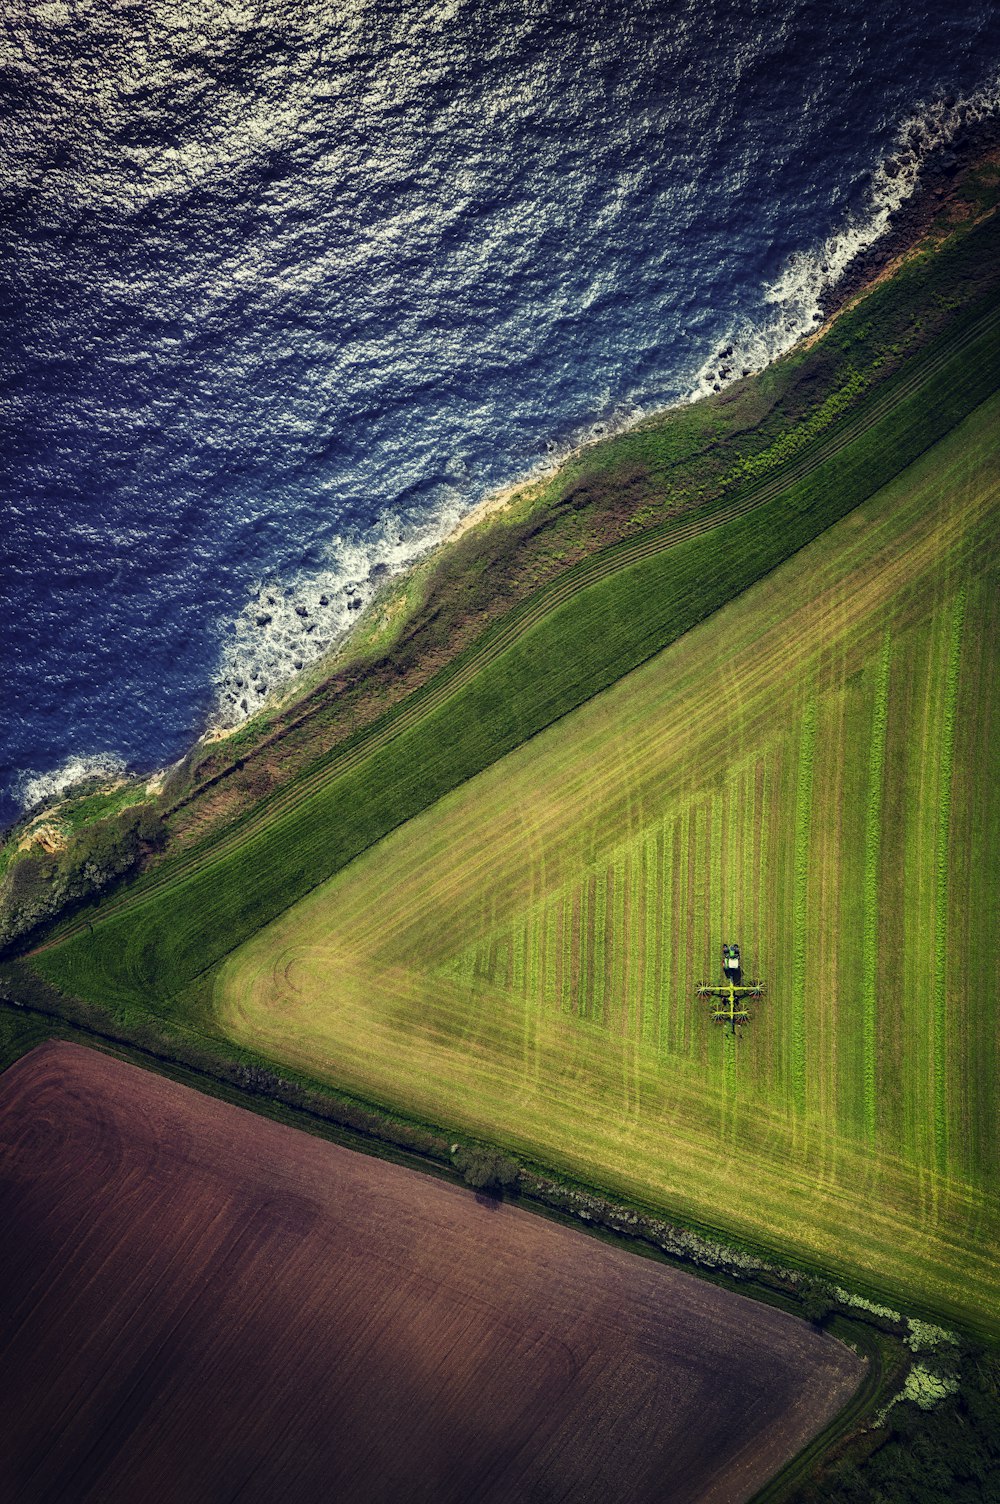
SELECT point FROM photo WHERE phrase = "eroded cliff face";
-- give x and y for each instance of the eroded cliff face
(57, 872)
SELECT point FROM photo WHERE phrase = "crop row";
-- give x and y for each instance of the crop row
(946, 763)
(800, 907)
(873, 848)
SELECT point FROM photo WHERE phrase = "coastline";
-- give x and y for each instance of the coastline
(939, 183)
(937, 186)
(949, 139)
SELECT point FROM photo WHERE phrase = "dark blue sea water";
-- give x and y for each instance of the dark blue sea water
(289, 287)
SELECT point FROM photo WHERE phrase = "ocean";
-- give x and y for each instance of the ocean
(289, 287)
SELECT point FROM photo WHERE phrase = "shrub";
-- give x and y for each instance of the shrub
(817, 1300)
(486, 1169)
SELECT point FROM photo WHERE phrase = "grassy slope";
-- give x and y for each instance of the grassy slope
(804, 770)
(579, 634)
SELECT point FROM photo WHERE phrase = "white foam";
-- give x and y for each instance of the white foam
(797, 293)
(290, 623)
(34, 787)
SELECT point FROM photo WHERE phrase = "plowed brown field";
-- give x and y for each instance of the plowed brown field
(198, 1304)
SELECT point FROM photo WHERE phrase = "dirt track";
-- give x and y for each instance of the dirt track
(198, 1304)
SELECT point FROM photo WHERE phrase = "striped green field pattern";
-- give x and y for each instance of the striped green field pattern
(811, 771)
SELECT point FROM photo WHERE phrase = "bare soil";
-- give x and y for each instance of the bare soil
(198, 1304)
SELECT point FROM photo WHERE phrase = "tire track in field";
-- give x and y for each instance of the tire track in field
(645, 941)
(946, 768)
(800, 902)
(669, 879)
(621, 937)
(659, 927)
(746, 814)
(832, 760)
(509, 629)
(974, 1054)
(873, 849)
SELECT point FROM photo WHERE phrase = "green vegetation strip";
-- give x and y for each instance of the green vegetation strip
(800, 902)
(873, 847)
(593, 624)
(946, 768)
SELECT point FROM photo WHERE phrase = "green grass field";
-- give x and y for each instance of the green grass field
(810, 771)
(771, 719)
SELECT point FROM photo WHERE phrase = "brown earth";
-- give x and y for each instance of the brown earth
(201, 1305)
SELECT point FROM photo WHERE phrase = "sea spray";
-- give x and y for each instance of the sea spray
(289, 624)
(797, 295)
(103, 767)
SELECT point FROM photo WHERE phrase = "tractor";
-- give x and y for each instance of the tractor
(728, 1005)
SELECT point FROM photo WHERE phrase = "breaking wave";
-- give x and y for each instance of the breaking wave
(797, 294)
(34, 787)
(289, 624)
